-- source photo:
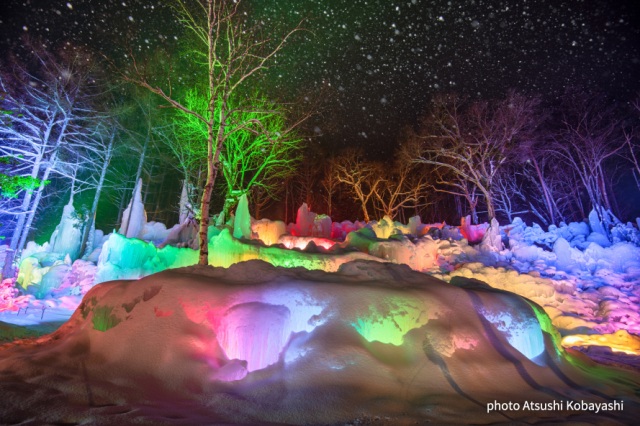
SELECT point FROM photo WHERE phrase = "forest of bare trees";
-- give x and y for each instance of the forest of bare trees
(515, 156)
(73, 135)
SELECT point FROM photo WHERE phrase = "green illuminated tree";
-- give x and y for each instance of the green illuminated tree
(11, 185)
(258, 155)
(255, 159)
(233, 51)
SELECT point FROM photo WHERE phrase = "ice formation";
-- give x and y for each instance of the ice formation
(134, 217)
(184, 234)
(67, 237)
(185, 208)
(559, 269)
(620, 341)
(492, 238)
(242, 219)
(123, 257)
(304, 222)
(6, 261)
(473, 233)
(268, 231)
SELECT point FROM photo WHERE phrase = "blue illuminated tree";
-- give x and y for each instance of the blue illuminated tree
(48, 99)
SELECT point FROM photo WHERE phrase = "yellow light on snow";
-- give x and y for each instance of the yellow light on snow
(620, 341)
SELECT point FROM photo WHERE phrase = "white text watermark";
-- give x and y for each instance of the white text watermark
(556, 405)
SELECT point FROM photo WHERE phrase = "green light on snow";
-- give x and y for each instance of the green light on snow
(390, 327)
(547, 326)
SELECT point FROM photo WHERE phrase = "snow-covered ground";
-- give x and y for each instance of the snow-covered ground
(256, 344)
(583, 280)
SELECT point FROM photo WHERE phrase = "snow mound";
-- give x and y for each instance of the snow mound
(257, 344)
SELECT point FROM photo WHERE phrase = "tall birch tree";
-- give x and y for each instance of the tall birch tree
(232, 51)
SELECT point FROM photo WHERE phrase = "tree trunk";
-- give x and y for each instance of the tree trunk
(458, 204)
(603, 189)
(138, 174)
(545, 192)
(36, 203)
(473, 204)
(121, 207)
(35, 171)
(229, 202)
(51, 166)
(96, 198)
(365, 212)
(148, 188)
(8, 270)
(491, 211)
(212, 170)
(204, 206)
(212, 173)
(286, 202)
(156, 210)
(257, 210)
(538, 215)
(26, 202)
(474, 213)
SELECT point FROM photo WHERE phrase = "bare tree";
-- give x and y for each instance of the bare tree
(591, 136)
(473, 142)
(251, 157)
(519, 193)
(362, 178)
(189, 159)
(300, 187)
(101, 149)
(48, 100)
(535, 166)
(233, 52)
(634, 148)
(405, 183)
(329, 183)
(142, 144)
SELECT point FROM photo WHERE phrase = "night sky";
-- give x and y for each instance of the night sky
(380, 61)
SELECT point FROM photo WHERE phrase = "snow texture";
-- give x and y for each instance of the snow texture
(256, 344)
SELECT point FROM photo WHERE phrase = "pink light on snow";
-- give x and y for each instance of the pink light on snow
(9, 299)
(301, 243)
(257, 330)
(251, 329)
(254, 332)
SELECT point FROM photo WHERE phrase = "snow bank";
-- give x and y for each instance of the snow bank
(589, 290)
(585, 287)
(255, 344)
